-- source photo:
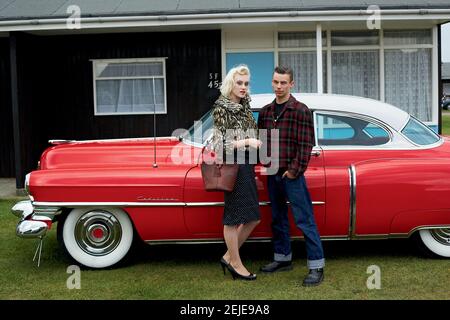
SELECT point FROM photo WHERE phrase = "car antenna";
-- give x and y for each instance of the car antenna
(155, 165)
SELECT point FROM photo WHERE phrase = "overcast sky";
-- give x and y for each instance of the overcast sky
(445, 42)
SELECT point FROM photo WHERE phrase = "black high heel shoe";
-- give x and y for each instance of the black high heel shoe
(224, 265)
(239, 276)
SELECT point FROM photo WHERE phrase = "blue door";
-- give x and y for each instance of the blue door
(261, 66)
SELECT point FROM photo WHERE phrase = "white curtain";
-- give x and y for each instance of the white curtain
(356, 73)
(408, 80)
(304, 65)
(129, 95)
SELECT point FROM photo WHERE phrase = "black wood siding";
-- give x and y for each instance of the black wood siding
(6, 128)
(56, 85)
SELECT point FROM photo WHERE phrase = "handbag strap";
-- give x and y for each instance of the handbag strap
(218, 165)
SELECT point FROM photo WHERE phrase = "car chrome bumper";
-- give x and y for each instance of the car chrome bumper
(22, 209)
(34, 220)
(31, 229)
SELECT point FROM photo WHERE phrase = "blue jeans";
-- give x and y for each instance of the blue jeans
(296, 191)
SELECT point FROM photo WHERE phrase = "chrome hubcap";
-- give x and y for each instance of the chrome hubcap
(98, 232)
(441, 235)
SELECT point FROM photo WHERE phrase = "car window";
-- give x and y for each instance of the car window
(419, 133)
(337, 130)
(201, 129)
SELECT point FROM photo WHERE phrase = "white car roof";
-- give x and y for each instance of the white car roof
(389, 114)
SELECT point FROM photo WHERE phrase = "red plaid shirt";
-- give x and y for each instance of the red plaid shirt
(296, 134)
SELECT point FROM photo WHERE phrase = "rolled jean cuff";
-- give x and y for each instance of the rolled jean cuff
(282, 257)
(316, 264)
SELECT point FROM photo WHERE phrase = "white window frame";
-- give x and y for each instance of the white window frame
(313, 48)
(433, 49)
(380, 47)
(368, 47)
(328, 48)
(134, 60)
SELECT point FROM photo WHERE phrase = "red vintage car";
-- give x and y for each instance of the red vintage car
(375, 173)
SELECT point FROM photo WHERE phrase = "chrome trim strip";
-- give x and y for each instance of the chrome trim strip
(42, 217)
(316, 139)
(47, 211)
(110, 204)
(424, 228)
(204, 204)
(405, 124)
(316, 203)
(220, 240)
(395, 235)
(145, 204)
(352, 220)
(59, 141)
(190, 241)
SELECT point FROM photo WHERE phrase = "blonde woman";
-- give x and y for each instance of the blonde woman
(236, 130)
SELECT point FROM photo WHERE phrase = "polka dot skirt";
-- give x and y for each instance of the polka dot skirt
(241, 204)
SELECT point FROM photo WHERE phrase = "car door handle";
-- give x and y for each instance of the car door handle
(315, 153)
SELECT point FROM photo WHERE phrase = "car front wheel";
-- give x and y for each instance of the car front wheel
(96, 237)
(437, 241)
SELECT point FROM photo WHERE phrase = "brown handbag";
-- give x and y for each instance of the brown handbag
(219, 177)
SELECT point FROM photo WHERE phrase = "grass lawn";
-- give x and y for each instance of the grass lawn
(446, 122)
(193, 272)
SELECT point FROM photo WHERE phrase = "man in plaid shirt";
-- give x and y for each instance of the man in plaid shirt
(294, 121)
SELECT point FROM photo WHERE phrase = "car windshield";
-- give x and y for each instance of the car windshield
(419, 133)
(200, 131)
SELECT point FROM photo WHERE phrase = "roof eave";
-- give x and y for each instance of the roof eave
(125, 21)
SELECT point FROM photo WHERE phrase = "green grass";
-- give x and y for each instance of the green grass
(446, 122)
(193, 272)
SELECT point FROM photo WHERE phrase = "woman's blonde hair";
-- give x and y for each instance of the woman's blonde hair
(228, 82)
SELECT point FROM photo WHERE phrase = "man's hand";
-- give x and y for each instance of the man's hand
(288, 175)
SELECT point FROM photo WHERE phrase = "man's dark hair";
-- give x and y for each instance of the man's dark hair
(285, 70)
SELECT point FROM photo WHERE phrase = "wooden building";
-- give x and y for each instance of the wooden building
(90, 69)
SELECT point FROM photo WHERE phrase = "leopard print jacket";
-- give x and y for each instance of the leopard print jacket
(232, 121)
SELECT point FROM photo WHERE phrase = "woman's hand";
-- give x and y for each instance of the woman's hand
(250, 142)
(254, 143)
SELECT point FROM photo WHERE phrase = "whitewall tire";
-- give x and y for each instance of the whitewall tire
(437, 241)
(97, 237)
